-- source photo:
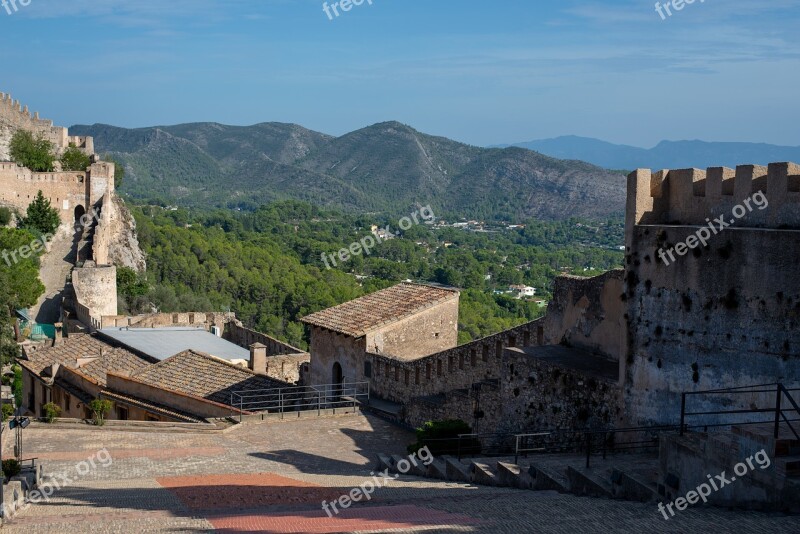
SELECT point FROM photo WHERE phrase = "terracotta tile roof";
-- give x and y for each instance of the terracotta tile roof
(87, 354)
(359, 316)
(204, 376)
(150, 406)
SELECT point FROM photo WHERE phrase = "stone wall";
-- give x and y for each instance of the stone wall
(530, 394)
(65, 190)
(329, 348)
(287, 368)
(588, 313)
(244, 337)
(95, 293)
(13, 116)
(426, 332)
(723, 315)
(455, 368)
(161, 320)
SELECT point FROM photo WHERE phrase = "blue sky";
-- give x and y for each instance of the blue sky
(477, 71)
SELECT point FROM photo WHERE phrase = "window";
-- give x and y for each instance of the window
(486, 353)
(66, 402)
(439, 367)
(428, 370)
(122, 413)
(473, 357)
(368, 369)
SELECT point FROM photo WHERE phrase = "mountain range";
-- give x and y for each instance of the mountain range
(387, 167)
(665, 155)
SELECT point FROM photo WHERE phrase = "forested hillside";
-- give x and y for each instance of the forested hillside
(267, 265)
(387, 167)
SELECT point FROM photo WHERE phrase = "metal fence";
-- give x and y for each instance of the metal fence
(301, 398)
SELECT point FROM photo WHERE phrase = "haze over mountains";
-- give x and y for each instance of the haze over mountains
(665, 155)
(386, 167)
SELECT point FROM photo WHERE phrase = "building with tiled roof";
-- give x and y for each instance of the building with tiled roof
(405, 322)
(377, 310)
(197, 375)
(188, 387)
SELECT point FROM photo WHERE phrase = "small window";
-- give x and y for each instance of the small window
(416, 375)
(473, 357)
(439, 367)
(368, 369)
(66, 401)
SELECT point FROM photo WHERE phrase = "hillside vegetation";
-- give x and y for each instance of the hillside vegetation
(387, 167)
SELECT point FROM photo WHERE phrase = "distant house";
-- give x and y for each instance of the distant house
(522, 291)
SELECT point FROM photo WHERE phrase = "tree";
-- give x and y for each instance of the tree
(41, 216)
(73, 159)
(35, 153)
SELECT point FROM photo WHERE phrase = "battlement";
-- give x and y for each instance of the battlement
(690, 196)
(15, 116)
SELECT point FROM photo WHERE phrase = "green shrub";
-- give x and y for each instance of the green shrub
(74, 159)
(11, 468)
(5, 216)
(35, 153)
(8, 411)
(100, 407)
(51, 411)
(442, 437)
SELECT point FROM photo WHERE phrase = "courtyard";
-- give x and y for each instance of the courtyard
(273, 477)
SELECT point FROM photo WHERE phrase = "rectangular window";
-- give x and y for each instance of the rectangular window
(473, 357)
(428, 370)
(439, 367)
(368, 369)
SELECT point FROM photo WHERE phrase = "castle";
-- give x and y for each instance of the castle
(615, 350)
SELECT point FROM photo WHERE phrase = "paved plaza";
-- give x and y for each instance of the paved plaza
(273, 477)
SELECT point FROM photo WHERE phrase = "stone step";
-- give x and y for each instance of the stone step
(632, 486)
(547, 479)
(513, 476)
(437, 469)
(455, 470)
(482, 474)
(589, 482)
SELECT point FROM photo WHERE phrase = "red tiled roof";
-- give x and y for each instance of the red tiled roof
(359, 316)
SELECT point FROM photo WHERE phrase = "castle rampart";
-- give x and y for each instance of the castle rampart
(690, 196)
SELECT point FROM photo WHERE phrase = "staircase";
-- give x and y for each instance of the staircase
(630, 476)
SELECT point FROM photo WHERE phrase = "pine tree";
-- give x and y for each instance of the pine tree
(41, 216)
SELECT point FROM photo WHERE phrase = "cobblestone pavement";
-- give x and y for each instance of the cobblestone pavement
(272, 477)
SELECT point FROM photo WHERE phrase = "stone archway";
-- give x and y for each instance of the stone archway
(80, 211)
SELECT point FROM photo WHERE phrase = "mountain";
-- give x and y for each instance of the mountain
(387, 167)
(665, 155)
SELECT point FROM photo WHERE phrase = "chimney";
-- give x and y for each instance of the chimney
(258, 358)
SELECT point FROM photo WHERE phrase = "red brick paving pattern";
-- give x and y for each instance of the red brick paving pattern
(365, 518)
(246, 490)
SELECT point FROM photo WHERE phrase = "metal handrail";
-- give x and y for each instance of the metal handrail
(778, 389)
(300, 398)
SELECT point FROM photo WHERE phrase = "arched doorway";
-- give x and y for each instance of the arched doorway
(80, 211)
(336, 382)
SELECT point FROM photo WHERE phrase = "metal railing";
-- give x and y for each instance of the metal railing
(778, 414)
(300, 398)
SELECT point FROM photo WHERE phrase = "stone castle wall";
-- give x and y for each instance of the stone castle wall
(722, 315)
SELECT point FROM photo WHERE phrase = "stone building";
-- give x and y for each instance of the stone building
(405, 322)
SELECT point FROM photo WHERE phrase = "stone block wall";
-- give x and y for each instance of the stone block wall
(720, 316)
(244, 337)
(459, 367)
(95, 293)
(588, 313)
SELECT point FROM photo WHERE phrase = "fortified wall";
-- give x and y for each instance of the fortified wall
(13, 116)
(723, 314)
